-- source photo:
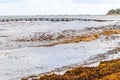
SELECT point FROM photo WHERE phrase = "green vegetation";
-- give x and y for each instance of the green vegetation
(114, 12)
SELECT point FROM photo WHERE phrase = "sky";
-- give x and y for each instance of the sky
(57, 7)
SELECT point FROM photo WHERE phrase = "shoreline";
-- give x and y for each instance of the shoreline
(101, 72)
(78, 43)
(75, 36)
(98, 57)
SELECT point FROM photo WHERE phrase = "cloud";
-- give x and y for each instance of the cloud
(48, 7)
(69, 7)
(10, 1)
(98, 1)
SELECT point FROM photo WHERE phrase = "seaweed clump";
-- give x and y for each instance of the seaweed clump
(105, 68)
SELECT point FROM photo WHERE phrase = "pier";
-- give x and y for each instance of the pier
(47, 19)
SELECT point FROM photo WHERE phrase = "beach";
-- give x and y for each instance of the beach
(34, 48)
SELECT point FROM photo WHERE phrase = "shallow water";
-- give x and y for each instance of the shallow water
(20, 59)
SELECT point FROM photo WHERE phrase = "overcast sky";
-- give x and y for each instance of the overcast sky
(51, 7)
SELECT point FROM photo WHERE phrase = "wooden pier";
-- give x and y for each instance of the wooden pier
(48, 19)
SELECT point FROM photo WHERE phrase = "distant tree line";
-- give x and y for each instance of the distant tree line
(114, 12)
